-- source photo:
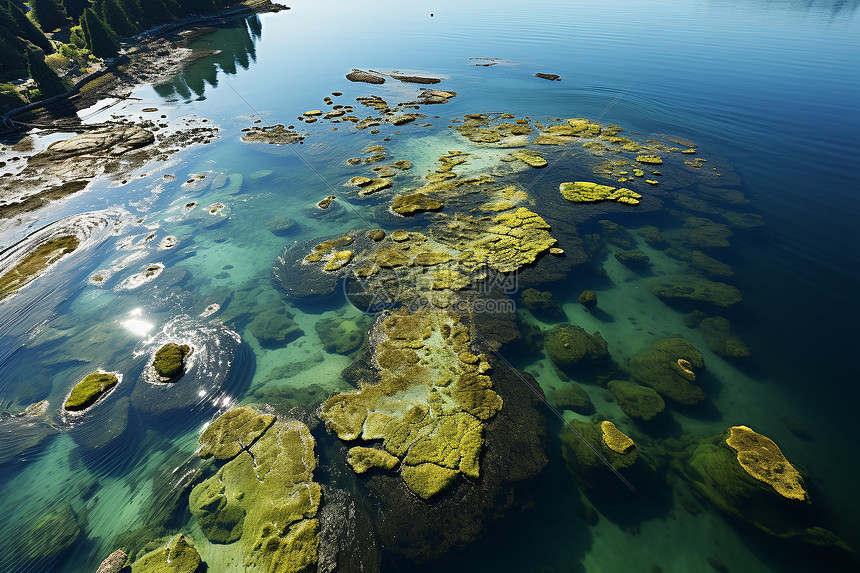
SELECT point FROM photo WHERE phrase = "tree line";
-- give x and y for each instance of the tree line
(96, 25)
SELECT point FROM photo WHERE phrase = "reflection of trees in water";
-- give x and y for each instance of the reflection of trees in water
(237, 49)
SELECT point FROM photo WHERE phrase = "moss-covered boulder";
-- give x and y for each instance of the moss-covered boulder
(275, 328)
(179, 556)
(637, 401)
(33, 264)
(342, 335)
(694, 288)
(588, 299)
(265, 500)
(232, 432)
(571, 347)
(89, 390)
(668, 366)
(572, 397)
(169, 360)
(720, 338)
(542, 303)
(429, 408)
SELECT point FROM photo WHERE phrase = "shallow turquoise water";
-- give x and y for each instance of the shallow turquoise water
(767, 91)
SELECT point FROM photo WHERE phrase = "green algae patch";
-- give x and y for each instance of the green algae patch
(179, 556)
(338, 260)
(236, 429)
(587, 192)
(762, 459)
(363, 459)
(88, 391)
(649, 159)
(169, 361)
(668, 367)
(429, 408)
(32, 265)
(265, 500)
(530, 158)
(414, 203)
(515, 239)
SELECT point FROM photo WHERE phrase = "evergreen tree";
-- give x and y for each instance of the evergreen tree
(116, 18)
(100, 39)
(48, 81)
(50, 14)
(75, 8)
(135, 14)
(13, 59)
(19, 25)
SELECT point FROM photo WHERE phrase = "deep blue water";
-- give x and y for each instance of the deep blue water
(768, 91)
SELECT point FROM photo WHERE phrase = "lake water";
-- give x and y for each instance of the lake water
(766, 92)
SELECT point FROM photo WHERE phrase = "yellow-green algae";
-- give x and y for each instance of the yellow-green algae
(233, 431)
(338, 260)
(430, 405)
(762, 459)
(649, 159)
(514, 239)
(35, 263)
(90, 389)
(265, 500)
(179, 556)
(414, 203)
(169, 361)
(586, 192)
(615, 439)
(362, 459)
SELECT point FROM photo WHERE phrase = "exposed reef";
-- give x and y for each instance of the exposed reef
(169, 360)
(89, 390)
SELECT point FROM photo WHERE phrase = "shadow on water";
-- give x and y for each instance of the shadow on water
(236, 48)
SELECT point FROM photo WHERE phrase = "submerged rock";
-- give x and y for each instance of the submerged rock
(48, 535)
(720, 338)
(696, 289)
(637, 401)
(275, 328)
(542, 303)
(633, 259)
(571, 347)
(588, 299)
(342, 335)
(589, 458)
(572, 397)
(283, 226)
(667, 367)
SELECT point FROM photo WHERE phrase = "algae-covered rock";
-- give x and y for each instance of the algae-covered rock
(232, 432)
(762, 459)
(429, 408)
(720, 338)
(266, 500)
(530, 158)
(414, 203)
(617, 235)
(376, 234)
(571, 347)
(274, 328)
(572, 397)
(587, 192)
(667, 367)
(709, 265)
(633, 258)
(113, 563)
(341, 335)
(588, 299)
(587, 454)
(88, 391)
(338, 260)
(35, 263)
(542, 303)
(706, 234)
(169, 360)
(282, 226)
(615, 439)
(696, 289)
(649, 159)
(637, 401)
(515, 239)
(179, 556)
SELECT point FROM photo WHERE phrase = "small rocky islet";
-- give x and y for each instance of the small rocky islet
(421, 428)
